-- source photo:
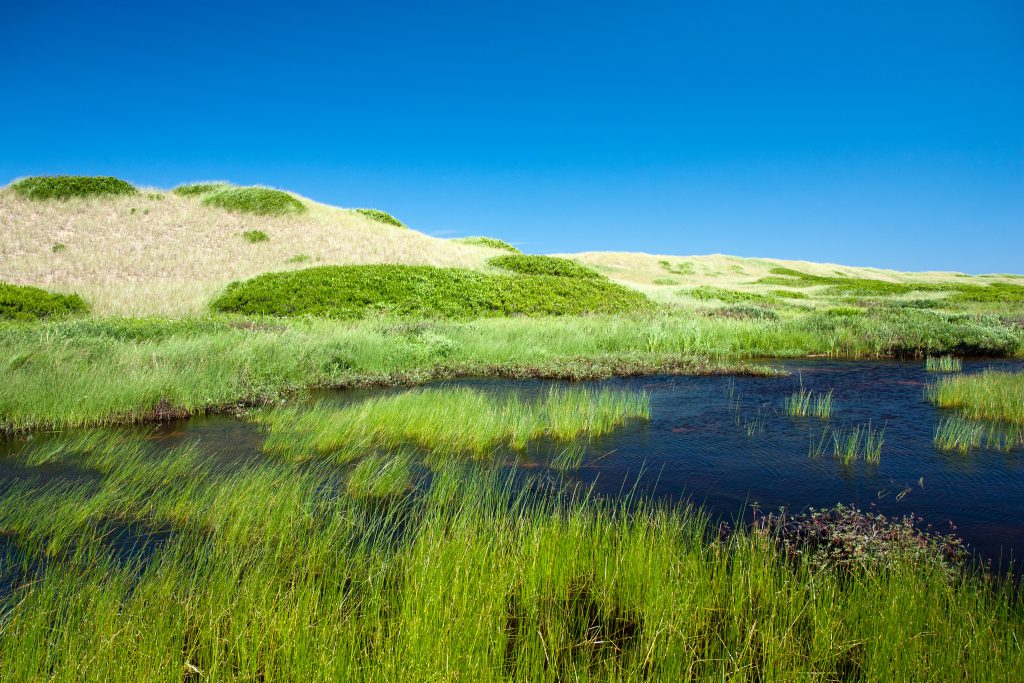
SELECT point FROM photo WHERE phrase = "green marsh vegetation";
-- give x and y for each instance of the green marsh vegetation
(166, 566)
(381, 217)
(804, 403)
(450, 420)
(62, 187)
(989, 395)
(350, 292)
(858, 442)
(260, 201)
(958, 434)
(491, 242)
(23, 303)
(943, 364)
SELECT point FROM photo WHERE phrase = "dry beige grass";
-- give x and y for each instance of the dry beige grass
(170, 256)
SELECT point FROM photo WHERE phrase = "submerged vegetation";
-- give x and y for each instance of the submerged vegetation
(164, 564)
(449, 421)
(261, 201)
(18, 302)
(988, 395)
(71, 187)
(381, 217)
(423, 291)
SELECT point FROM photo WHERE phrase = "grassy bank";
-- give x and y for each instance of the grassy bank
(989, 395)
(166, 568)
(91, 371)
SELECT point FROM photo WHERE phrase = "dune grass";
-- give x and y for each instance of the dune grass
(988, 395)
(450, 420)
(169, 569)
(489, 242)
(381, 217)
(943, 364)
(63, 187)
(260, 201)
(197, 189)
(31, 303)
(255, 236)
(350, 292)
(543, 265)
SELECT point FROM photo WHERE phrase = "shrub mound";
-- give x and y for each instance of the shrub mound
(381, 217)
(488, 242)
(262, 201)
(543, 265)
(255, 236)
(426, 291)
(19, 302)
(71, 186)
(196, 189)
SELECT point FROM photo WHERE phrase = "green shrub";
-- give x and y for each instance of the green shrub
(196, 189)
(262, 201)
(997, 292)
(543, 265)
(57, 248)
(255, 236)
(381, 217)
(489, 242)
(787, 294)
(18, 302)
(683, 268)
(665, 281)
(427, 291)
(745, 312)
(729, 296)
(299, 258)
(70, 186)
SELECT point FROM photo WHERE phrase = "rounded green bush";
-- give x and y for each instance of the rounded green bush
(18, 302)
(196, 189)
(488, 242)
(354, 291)
(71, 186)
(381, 217)
(543, 265)
(255, 236)
(262, 201)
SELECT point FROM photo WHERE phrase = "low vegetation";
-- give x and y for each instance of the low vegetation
(165, 567)
(489, 242)
(988, 395)
(71, 187)
(255, 236)
(454, 420)
(23, 303)
(197, 189)
(260, 201)
(729, 296)
(543, 265)
(351, 292)
(381, 217)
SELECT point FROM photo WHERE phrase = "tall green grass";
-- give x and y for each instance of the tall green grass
(804, 402)
(167, 569)
(958, 434)
(988, 395)
(858, 442)
(943, 364)
(450, 420)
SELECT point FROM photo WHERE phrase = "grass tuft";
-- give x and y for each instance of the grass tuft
(71, 187)
(261, 201)
(381, 217)
(491, 242)
(255, 236)
(197, 189)
(943, 364)
(860, 442)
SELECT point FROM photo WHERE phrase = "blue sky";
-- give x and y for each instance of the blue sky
(865, 133)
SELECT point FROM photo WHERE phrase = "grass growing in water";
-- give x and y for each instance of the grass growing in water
(943, 364)
(261, 201)
(988, 395)
(380, 474)
(961, 435)
(245, 575)
(18, 302)
(804, 402)
(381, 217)
(43, 188)
(860, 442)
(491, 242)
(455, 420)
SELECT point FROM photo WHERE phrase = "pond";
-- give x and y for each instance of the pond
(727, 444)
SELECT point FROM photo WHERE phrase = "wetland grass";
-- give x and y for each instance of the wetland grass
(962, 435)
(804, 403)
(859, 442)
(943, 364)
(272, 572)
(451, 420)
(988, 395)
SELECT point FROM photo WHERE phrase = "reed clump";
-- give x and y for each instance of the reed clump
(859, 442)
(943, 364)
(804, 403)
(988, 395)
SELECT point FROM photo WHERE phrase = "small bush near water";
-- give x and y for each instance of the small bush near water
(71, 186)
(353, 291)
(261, 201)
(18, 302)
(381, 217)
(543, 265)
(489, 242)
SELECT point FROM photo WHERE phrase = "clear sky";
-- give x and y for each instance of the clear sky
(865, 133)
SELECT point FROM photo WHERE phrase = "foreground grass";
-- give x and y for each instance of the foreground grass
(89, 372)
(988, 395)
(170, 569)
(449, 420)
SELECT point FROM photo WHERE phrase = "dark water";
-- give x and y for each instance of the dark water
(726, 444)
